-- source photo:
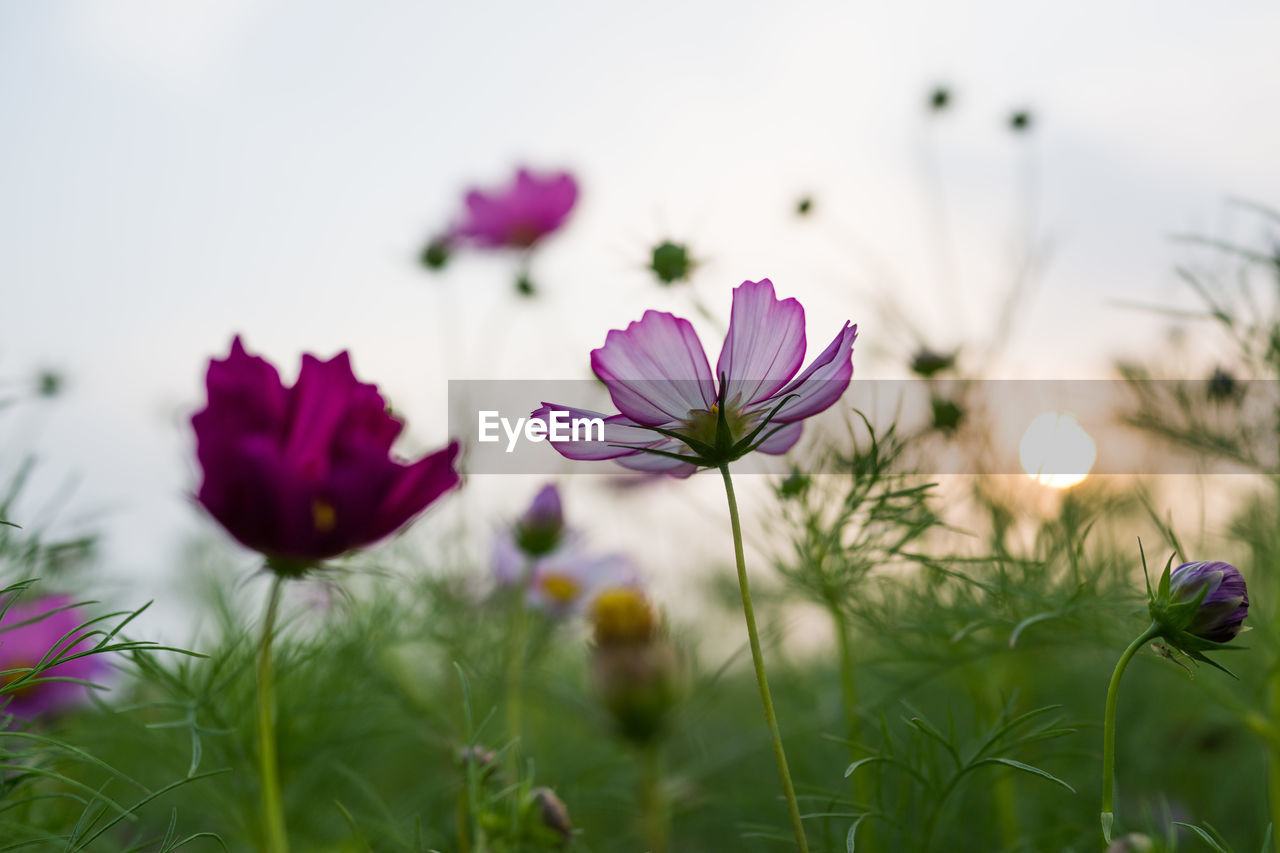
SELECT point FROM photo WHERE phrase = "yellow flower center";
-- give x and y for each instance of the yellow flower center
(623, 615)
(8, 678)
(560, 588)
(324, 516)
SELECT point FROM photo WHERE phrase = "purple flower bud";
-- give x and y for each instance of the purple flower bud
(553, 812)
(1224, 604)
(303, 474)
(539, 530)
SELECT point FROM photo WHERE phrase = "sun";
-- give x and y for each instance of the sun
(1055, 451)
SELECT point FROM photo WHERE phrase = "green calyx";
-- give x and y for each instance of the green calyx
(710, 433)
(671, 262)
(1172, 617)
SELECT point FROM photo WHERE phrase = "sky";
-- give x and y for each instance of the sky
(174, 173)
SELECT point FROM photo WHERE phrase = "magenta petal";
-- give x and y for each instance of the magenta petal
(618, 430)
(821, 384)
(656, 370)
(326, 397)
(765, 345)
(245, 397)
(418, 486)
(781, 440)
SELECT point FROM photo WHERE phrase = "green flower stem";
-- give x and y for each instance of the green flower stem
(853, 727)
(654, 801)
(517, 657)
(515, 664)
(757, 658)
(1109, 729)
(277, 839)
(1273, 765)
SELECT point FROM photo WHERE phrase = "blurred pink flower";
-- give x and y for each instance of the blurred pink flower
(517, 216)
(31, 632)
(542, 553)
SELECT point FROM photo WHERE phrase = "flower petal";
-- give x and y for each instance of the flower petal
(418, 486)
(654, 463)
(782, 440)
(245, 397)
(765, 345)
(618, 430)
(821, 384)
(328, 401)
(656, 369)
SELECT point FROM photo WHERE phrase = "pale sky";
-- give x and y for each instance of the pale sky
(173, 173)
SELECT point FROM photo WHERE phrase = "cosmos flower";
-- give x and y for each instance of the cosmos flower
(676, 416)
(634, 667)
(568, 581)
(560, 574)
(517, 216)
(303, 474)
(35, 631)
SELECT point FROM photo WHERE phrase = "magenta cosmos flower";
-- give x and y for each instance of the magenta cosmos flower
(519, 215)
(676, 416)
(32, 632)
(304, 474)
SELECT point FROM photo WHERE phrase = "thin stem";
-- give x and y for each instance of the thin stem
(277, 839)
(515, 669)
(757, 658)
(849, 695)
(1109, 729)
(517, 657)
(654, 801)
(1273, 766)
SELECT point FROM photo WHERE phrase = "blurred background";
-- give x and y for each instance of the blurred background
(173, 174)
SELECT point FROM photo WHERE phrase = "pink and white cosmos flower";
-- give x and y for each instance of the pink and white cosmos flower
(675, 416)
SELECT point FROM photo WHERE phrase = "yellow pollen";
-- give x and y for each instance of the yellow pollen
(560, 588)
(715, 409)
(324, 516)
(8, 678)
(623, 615)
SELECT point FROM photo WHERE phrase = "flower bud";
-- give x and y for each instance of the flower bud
(486, 760)
(539, 530)
(1218, 592)
(927, 362)
(1134, 842)
(638, 684)
(436, 254)
(670, 262)
(623, 616)
(553, 812)
(1199, 606)
(634, 669)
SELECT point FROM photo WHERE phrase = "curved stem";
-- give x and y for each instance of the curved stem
(277, 839)
(757, 658)
(1109, 729)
